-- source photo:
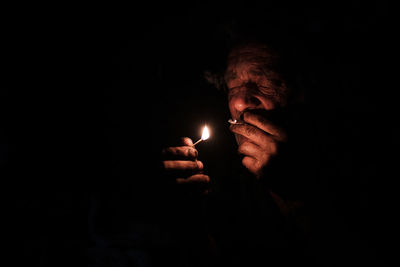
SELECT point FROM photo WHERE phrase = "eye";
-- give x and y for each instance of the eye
(267, 90)
(232, 91)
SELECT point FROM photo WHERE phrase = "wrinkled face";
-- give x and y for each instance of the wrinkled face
(252, 81)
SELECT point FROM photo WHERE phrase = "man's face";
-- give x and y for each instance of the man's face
(253, 84)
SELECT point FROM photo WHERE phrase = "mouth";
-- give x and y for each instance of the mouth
(240, 117)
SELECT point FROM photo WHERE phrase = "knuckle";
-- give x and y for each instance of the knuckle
(169, 151)
(192, 152)
(186, 152)
(250, 130)
(186, 141)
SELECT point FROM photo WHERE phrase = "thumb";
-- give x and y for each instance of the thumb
(186, 141)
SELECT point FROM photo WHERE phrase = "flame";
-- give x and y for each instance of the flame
(206, 133)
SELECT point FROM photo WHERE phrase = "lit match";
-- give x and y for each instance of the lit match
(205, 135)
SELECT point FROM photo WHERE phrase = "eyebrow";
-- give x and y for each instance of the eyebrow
(230, 75)
(256, 72)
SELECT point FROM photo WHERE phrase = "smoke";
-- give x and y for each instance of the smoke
(216, 79)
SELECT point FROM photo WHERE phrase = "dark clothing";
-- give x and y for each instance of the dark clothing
(240, 223)
(252, 231)
(240, 226)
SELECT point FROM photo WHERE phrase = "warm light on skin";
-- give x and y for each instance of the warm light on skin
(206, 133)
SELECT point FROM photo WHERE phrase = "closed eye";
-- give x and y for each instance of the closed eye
(266, 90)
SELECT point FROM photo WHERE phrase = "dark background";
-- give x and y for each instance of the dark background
(91, 94)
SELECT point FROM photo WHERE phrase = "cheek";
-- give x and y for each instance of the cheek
(267, 103)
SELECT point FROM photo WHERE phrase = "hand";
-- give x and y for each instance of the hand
(180, 164)
(259, 140)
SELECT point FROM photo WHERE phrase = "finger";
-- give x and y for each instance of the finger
(182, 165)
(249, 149)
(186, 141)
(194, 179)
(250, 163)
(197, 184)
(264, 124)
(182, 152)
(260, 155)
(251, 132)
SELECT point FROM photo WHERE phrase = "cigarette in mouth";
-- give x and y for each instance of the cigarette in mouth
(231, 121)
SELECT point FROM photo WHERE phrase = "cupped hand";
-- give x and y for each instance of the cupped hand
(180, 164)
(258, 141)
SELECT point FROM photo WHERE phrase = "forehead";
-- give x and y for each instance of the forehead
(251, 55)
(254, 59)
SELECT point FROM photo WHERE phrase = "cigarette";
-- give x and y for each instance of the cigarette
(236, 122)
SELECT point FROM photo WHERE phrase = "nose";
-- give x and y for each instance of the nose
(244, 100)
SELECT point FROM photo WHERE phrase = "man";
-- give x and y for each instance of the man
(265, 223)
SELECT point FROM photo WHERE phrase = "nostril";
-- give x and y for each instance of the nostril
(243, 97)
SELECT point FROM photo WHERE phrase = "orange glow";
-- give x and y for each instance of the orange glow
(206, 133)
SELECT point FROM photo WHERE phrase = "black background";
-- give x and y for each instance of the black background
(92, 93)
